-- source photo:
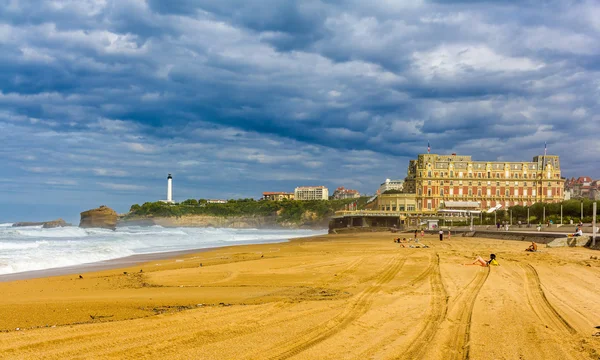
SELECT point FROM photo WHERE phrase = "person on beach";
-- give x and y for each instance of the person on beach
(498, 225)
(579, 232)
(480, 261)
(441, 235)
(416, 233)
(532, 247)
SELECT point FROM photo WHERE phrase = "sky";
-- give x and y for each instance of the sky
(101, 99)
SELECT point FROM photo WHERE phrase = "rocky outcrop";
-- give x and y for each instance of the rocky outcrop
(102, 217)
(55, 223)
(44, 224)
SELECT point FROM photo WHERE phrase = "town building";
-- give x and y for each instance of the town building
(391, 185)
(311, 193)
(579, 188)
(435, 179)
(216, 201)
(396, 202)
(277, 196)
(343, 193)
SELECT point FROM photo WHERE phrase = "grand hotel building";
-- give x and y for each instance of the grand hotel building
(436, 179)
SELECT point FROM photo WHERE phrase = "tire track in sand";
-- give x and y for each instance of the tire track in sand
(438, 308)
(539, 303)
(356, 309)
(381, 343)
(459, 343)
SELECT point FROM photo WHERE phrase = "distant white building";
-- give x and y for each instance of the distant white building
(391, 185)
(311, 193)
(216, 201)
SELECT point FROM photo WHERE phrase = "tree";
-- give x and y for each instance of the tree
(192, 202)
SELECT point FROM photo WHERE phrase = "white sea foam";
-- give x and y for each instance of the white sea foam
(35, 248)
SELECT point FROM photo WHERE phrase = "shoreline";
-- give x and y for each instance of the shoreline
(120, 263)
(352, 296)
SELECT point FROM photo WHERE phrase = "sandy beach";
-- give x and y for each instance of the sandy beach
(358, 296)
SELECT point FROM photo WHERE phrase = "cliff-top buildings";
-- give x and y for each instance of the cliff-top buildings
(277, 195)
(311, 193)
(343, 193)
(436, 179)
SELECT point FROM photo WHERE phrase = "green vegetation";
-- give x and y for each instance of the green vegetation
(286, 210)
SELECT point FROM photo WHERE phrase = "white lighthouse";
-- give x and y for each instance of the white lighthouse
(169, 189)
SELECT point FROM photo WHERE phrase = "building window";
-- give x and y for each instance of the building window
(451, 173)
(489, 192)
(470, 192)
(533, 192)
(516, 192)
(524, 192)
(451, 191)
(479, 183)
(516, 183)
(451, 182)
(470, 183)
(489, 174)
(428, 192)
(478, 192)
(460, 174)
(442, 192)
(497, 192)
(497, 183)
(507, 193)
(429, 205)
(460, 191)
(410, 208)
(428, 182)
(429, 174)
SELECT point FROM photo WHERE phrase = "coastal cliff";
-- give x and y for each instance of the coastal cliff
(242, 213)
(238, 222)
(102, 217)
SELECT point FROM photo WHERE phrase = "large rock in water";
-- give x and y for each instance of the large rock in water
(55, 223)
(102, 217)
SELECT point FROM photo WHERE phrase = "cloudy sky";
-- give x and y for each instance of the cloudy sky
(100, 99)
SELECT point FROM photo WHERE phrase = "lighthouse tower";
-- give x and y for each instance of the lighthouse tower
(169, 189)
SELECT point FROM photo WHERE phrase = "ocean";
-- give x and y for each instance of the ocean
(33, 248)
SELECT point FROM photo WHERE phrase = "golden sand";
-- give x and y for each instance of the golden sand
(357, 296)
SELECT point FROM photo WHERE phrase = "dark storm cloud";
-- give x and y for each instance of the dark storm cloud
(274, 93)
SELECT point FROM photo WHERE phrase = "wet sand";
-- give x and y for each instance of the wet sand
(357, 296)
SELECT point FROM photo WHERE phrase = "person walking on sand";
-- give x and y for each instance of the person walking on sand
(441, 235)
(416, 233)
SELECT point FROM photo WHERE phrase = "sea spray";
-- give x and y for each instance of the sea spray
(34, 248)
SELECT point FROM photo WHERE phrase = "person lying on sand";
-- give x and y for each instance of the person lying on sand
(482, 262)
(532, 247)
